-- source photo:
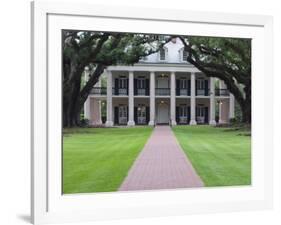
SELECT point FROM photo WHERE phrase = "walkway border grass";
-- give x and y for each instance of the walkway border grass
(221, 156)
(98, 159)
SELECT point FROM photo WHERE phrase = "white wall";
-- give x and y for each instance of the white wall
(15, 110)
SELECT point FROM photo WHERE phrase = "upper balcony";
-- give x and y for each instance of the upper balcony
(159, 92)
(162, 91)
(221, 92)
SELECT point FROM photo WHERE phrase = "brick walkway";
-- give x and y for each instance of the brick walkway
(162, 164)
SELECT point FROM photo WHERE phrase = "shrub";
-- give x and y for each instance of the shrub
(84, 123)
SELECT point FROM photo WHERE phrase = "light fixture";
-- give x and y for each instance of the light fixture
(162, 102)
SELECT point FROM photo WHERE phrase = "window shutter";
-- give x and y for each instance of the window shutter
(177, 114)
(206, 115)
(188, 114)
(147, 87)
(136, 115)
(206, 87)
(116, 86)
(147, 114)
(196, 86)
(135, 86)
(127, 85)
(116, 115)
(188, 87)
(177, 87)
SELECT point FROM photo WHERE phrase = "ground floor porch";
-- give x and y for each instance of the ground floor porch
(96, 111)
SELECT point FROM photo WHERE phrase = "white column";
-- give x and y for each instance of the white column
(97, 120)
(109, 121)
(212, 102)
(87, 112)
(131, 121)
(221, 106)
(173, 99)
(152, 99)
(231, 106)
(192, 100)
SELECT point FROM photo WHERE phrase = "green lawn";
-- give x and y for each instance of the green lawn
(221, 156)
(98, 159)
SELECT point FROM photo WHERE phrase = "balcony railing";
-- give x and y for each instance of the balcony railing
(98, 91)
(162, 91)
(182, 92)
(119, 91)
(158, 91)
(202, 92)
(222, 92)
(141, 91)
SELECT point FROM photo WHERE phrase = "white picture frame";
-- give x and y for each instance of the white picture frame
(49, 205)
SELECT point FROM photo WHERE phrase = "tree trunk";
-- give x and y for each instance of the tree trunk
(247, 105)
(74, 98)
(246, 113)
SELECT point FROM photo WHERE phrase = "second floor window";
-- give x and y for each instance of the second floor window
(122, 83)
(162, 54)
(183, 84)
(200, 84)
(141, 83)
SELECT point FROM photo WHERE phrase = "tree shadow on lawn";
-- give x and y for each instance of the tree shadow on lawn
(240, 128)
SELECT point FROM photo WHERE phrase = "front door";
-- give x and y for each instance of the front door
(163, 114)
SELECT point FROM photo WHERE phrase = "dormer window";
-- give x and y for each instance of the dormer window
(162, 54)
(184, 55)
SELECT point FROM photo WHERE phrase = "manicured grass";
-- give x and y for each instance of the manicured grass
(221, 156)
(98, 159)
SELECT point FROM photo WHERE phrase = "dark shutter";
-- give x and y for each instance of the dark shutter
(188, 114)
(177, 87)
(196, 112)
(135, 86)
(116, 115)
(147, 87)
(196, 85)
(177, 114)
(206, 115)
(188, 87)
(136, 115)
(147, 114)
(206, 88)
(116, 86)
(127, 85)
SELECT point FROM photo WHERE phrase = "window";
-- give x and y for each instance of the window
(183, 83)
(122, 114)
(162, 54)
(141, 114)
(184, 55)
(200, 111)
(122, 83)
(200, 84)
(141, 83)
(183, 111)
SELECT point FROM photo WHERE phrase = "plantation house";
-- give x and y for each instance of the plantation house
(162, 88)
